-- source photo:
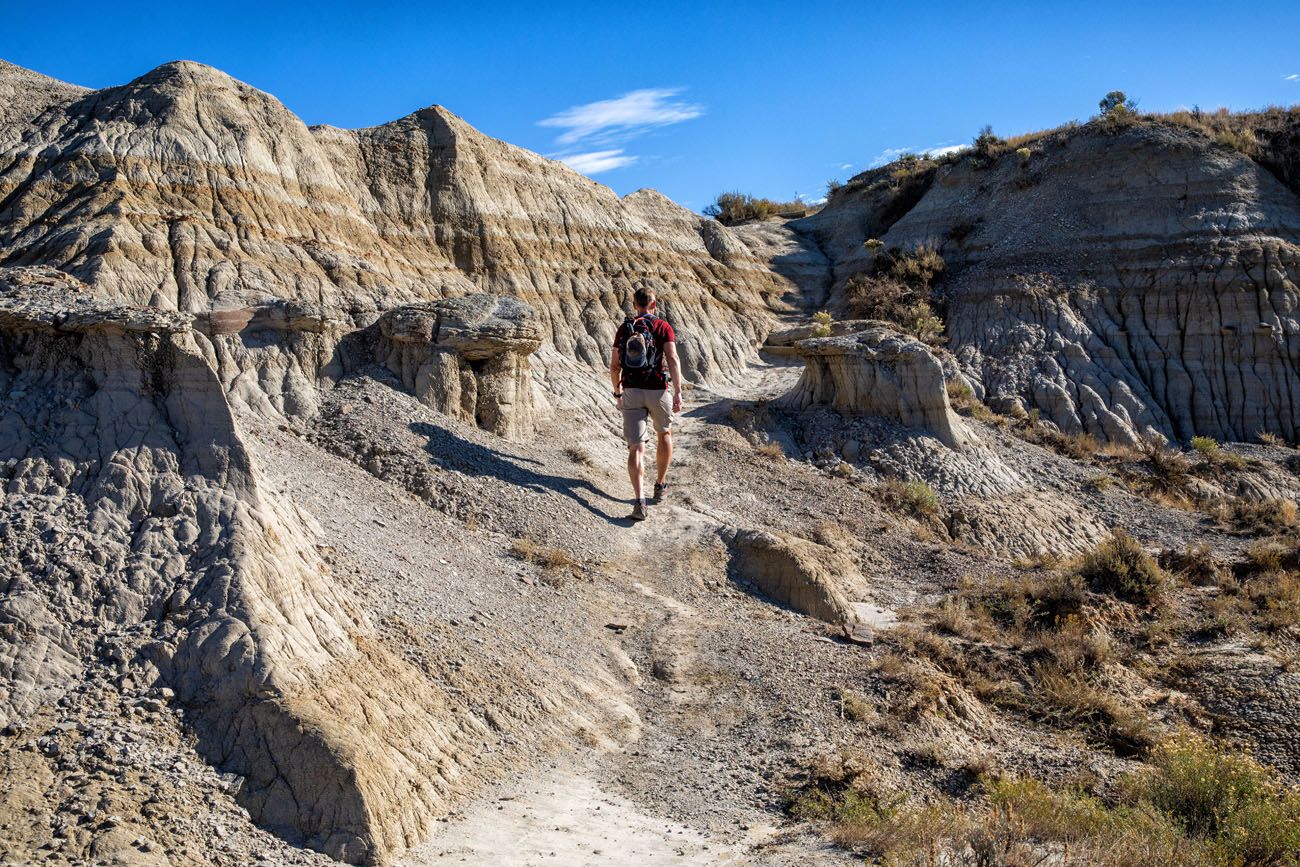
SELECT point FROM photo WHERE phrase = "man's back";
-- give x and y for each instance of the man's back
(654, 378)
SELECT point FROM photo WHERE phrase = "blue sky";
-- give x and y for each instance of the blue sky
(773, 98)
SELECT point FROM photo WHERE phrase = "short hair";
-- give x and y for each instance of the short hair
(643, 297)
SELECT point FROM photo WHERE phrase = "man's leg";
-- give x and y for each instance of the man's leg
(635, 452)
(664, 455)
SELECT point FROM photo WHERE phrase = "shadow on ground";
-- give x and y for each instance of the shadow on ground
(460, 455)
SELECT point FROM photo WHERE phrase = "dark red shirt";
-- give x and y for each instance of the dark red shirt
(656, 377)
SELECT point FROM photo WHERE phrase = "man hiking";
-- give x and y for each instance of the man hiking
(636, 368)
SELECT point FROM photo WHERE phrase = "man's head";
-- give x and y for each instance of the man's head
(644, 300)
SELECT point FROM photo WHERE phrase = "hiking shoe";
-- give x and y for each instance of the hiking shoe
(661, 490)
(638, 512)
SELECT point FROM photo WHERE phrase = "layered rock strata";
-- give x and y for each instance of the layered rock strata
(1121, 284)
(134, 528)
(871, 369)
(185, 187)
(466, 357)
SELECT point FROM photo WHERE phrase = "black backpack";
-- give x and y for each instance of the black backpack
(638, 350)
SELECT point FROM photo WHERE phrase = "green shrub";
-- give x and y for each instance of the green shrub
(1206, 446)
(1056, 598)
(986, 148)
(898, 287)
(731, 208)
(1118, 566)
(1225, 797)
(841, 787)
(854, 705)
(1116, 111)
(920, 498)
(822, 324)
(915, 498)
(1092, 831)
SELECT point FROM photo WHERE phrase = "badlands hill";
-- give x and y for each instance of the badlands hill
(312, 538)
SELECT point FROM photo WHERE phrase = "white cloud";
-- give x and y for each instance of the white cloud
(1292, 77)
(846, 165)
(888, 155)
(947, 149)
(629, 115)
(594, 162)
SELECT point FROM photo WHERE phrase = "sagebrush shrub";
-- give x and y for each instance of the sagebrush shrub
(1120, 567)
(1225, 797)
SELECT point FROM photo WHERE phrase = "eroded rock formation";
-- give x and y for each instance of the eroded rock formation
(185, 186)
(1143, 281)
(467, 357)
(218, 260)
(869, 368)
(135, 528)
(809, 577)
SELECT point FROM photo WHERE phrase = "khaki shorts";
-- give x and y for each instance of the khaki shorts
(640, 403)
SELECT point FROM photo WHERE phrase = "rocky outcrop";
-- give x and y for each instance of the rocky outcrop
(872, 369)
(806, 576)
(24, 94)
(467, 357)
(135, 533)
(1143, 281)
(890, 394)
(185, 186)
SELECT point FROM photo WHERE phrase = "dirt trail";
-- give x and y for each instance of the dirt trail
(564, 817)
(585, 809)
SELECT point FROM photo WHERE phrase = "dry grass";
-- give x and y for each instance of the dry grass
(1101, 482)
(1276, 598)
(1169, 468)
(915, 498)
(1079, 446)
(1262, 516)
(854, 705)
(956, 616)
(964, 401)
(922, 691)
(771, 449)
(1075, 644)
(1196, 563)
(1270, 137)
(1016, 142)
(1073, 699)
(1120, 567)
(1195, 805)
(557, 564)
(580, 455)
(1044, 644)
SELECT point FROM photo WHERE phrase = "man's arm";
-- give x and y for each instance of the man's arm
(616, 376)
(675, 369)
